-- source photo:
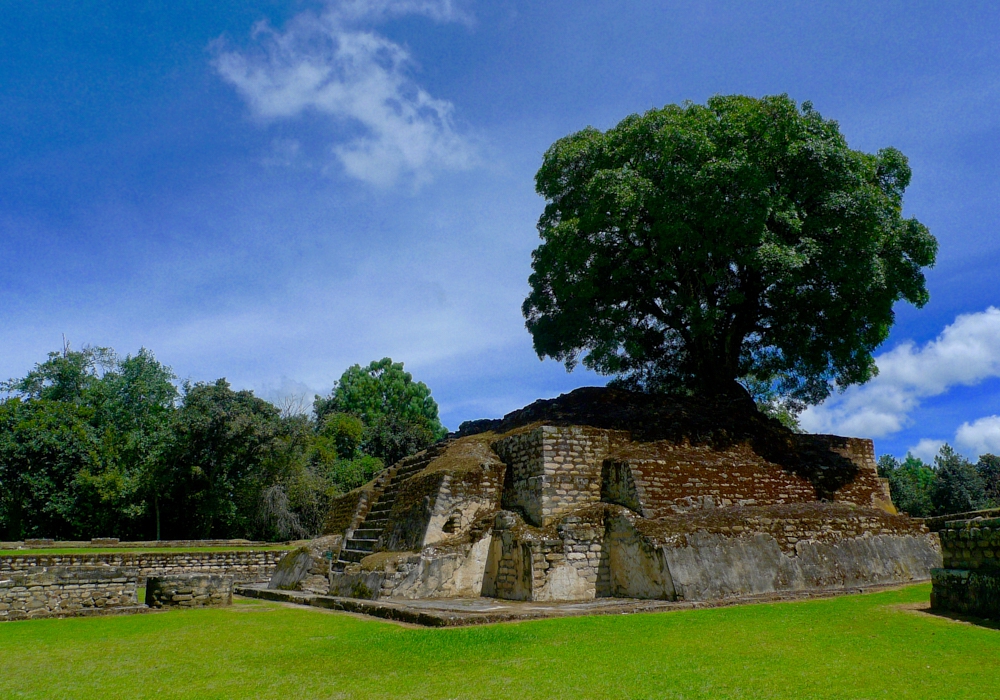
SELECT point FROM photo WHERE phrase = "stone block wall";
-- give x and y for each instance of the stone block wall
(118, 544)
(62, 590)
(665, 478)
(530, 564)
(969, 582)
(554, 469)
(189, 591)
(971, 544)
(522, 489)
(244, 566)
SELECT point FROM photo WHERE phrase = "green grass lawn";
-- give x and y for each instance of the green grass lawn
(861, 646)
(139, 550)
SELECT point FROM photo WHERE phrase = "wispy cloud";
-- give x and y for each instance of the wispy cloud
(335, 65)
(965, 353)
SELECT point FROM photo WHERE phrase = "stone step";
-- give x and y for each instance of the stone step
(377, 524)
(363, 545)
(352, 555)
(368, 533)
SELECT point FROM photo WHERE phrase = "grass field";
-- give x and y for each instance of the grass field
(862, 646)
(138, 550)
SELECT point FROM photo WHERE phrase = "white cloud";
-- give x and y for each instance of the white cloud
(328, 64)
(982, 436)
(926, 449)
(966, 353)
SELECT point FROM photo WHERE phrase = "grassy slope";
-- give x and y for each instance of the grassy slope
(56, 551)
(847, 647)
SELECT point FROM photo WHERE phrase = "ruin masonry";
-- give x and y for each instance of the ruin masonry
(606, 493)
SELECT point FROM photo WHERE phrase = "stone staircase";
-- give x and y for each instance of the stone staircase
(365, 538)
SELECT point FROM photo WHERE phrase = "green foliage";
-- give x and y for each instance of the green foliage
(345, 432)
(119, 408)
(48, 455)
(696, 244)
(95, 445)
(67, 376)
(398, 415)
(910, 484)
(988, 468)
(957, 486)
(228, 448)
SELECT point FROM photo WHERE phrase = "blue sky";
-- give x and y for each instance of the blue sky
(272, 191)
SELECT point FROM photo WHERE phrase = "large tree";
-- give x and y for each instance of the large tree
(694, 245)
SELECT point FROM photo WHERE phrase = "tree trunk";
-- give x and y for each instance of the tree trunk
(156, 506)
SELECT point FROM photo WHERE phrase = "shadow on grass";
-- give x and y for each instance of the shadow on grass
(926, 609)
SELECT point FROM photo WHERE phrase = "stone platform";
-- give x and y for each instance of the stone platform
(460, 612)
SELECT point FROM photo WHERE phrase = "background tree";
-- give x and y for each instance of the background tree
(47, 450)
(988, 468)
(910, 484)
(398, 415)
(693, 245)
(228, 448)
(92, 444)
(957, 487)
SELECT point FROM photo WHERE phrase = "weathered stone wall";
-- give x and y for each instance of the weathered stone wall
(510, 571)
(525, 474)
(966, 591)
(118, 544)
(971, 544)
(189, 591)
(462, 498)
(554, 469)
(61, 590)
(244, 566)
(664, 478)
(969, 580)
(411, 513)
(347, 511)
(610, 551)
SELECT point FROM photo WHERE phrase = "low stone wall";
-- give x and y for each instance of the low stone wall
(62, 590)
(244, 566)
(940, 522)
(971, 544)
(969, 580)
(966, 592)
(189, 591)
(118, 544)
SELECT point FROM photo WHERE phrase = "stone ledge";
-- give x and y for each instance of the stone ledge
(460, 612)
(85, 612)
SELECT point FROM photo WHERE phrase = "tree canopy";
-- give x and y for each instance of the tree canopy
(398, 415)
(94, 444)
(694, 245)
